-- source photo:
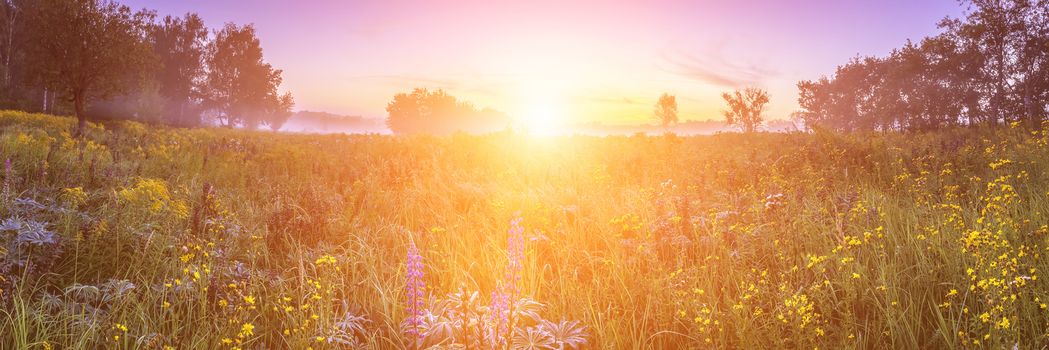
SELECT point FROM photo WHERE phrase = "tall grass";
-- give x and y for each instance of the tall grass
(215, 238)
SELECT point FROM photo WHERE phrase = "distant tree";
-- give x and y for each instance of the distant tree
(180, 44)
(18, 88)
(814, 100)
(797, 119)
(87, 49)
(916, 87)
(666, 110)
(10, 24)
(437, 112)
(279, 115)
(745, 108)
(240, 87)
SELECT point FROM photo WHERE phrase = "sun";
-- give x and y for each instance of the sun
(542, 118)
(541, 104)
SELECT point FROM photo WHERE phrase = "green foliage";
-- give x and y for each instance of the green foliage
(985, 68)
(217, 238)
(87, 49)
(240, 86)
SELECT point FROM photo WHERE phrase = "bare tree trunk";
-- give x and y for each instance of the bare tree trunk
(78, 106)
(1028, 107)
(9, 48)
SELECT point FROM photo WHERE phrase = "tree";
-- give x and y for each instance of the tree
(1013, 38)
(10, 20)
(989, 67)
(180, 44)
(815, 101)
(437, 112)
(745, 108)
(88, 49)
(240, 87)
(666, 110)
(18, 89)
(279, 115)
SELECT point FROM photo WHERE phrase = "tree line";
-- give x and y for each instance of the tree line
(101, 59)
(988, 68)
(745, 109)
(437, 112)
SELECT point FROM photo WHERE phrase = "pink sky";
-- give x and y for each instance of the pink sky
(570, 61)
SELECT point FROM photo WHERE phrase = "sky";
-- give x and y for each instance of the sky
(564, 62)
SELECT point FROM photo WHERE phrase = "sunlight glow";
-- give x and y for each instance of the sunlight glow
(542, 118)
(542, 103)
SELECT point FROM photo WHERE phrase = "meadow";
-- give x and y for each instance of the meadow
(146, 237)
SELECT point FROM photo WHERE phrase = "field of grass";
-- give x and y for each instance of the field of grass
(140, 236)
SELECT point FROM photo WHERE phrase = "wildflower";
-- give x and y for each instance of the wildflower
(247, 330)
(414, 289)
(73, 196)
(515, 252)
(122, 329)
(8, 173)
(506, 291)
(326, 259)
(1003, 324)
(153, 194)
(500, 316)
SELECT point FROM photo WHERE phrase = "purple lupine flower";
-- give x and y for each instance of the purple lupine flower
(499, 317)
(414, 291)
(8, 172)
(515, 253)
(508, 290)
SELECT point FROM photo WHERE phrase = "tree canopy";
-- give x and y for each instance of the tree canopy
(745, 108)
(240, 87)
(98, 59)
(437, 112)
(181, 44)
(988, 68)
(87, 49)
(666, 110)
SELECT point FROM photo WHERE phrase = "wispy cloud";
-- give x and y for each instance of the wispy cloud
(714, 68)
(473, 84)
(616, 100)
(405, 80)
